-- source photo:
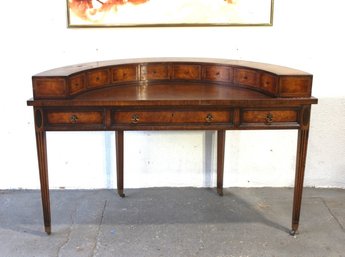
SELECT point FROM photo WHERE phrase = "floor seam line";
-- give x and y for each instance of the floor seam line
(334, 217)
(74, 213)
(99, 228)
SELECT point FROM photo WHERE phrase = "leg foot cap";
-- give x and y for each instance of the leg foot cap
(48, 230)
(121, 193)
(220, 192)
(293, 232)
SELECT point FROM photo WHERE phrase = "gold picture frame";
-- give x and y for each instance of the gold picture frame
(163, 13)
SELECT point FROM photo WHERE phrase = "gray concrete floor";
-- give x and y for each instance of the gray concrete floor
(173, 222)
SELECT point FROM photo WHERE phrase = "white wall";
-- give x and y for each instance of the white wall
(306, 35)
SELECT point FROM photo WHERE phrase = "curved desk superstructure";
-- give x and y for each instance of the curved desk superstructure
(69, 81)
(172, 94)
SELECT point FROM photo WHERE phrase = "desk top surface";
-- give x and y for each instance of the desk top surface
(173, 94)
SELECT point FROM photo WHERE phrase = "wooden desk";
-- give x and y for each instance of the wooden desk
(172, 94)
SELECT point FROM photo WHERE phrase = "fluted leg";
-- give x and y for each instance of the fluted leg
(299, 178)
(220, 160)
(43, 171)
(119, 162)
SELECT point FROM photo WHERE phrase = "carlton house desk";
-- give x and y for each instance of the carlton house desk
(172, 94)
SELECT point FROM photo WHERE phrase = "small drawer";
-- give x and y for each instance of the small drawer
(171, 117)
(49, 88)
(73, 118)
(98, 78)
(187, 71)
(247, 77)
(76, 84)
(124, 73)
(295, 86)
(218, 73)
(269, 117)
(269, 83)
(154, 72)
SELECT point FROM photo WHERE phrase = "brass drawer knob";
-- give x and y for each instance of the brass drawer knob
(209, 117)
(269, 118)
(135, 118)
(74, 118)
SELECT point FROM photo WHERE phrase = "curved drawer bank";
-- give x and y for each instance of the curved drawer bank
(172, 93)
(272, 80)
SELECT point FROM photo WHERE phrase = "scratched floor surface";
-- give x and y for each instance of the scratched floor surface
(173, 222)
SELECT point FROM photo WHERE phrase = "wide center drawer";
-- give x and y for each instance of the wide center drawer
(170, 117)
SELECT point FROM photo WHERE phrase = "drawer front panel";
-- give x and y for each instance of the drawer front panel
(269, 117)
(269, 83)
(124, 73)
(154, 72)
(187, 71)
(295, 86)
(171, 117)
(76, 84)
(52, 88)
(98, 78)
(247, 77)
(77, 117)
(218, 73)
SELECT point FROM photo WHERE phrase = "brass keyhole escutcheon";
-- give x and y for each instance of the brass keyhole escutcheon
(269, 118)
(135, 118)
(209, 117)
(74, 118)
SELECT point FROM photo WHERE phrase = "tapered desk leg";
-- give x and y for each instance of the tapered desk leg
(119, 162)
(220, 160)
(43, 171)
(299, 178)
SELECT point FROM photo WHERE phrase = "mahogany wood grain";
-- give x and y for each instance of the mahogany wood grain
(172, 94)
(119, 161)
(302, 145)
(43, 168)
(220, 160)
(41, 145)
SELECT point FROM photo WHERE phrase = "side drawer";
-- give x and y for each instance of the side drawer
(74, 118)
(171, 117)
(269, 117)
(49, 87)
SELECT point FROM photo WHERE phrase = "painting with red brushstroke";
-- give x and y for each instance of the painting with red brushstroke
(102, 13)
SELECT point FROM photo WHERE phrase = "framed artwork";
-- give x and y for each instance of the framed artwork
(148, 13)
